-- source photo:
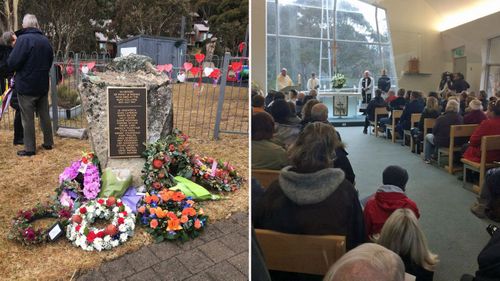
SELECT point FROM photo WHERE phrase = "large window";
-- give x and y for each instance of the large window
(325, 37)
(493, 66)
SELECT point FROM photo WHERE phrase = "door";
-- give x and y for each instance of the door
(460, 65)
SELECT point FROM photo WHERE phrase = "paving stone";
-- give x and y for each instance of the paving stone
(191, 244)
(200, 277)
(141, 259)
(217, 251)
(241, 218)
(195, 261)
(240, 262)
(235, 242)
(165, 250)
(117, 269)
(172, 269)
(228, 226)
(147, 274)
(210, 233)
(244, 233)
(225, 271)
(94, 275)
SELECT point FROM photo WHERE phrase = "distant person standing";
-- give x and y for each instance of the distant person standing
(366, 86)
(459, 84)
(283, 80)
(313, 82)
(31, 59)
(9, 39)
(384, 82)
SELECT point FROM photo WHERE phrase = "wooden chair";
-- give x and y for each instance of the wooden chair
(378, 111)
(428, 125)
(396, 115)
(488, 143)
(311, 254)
(456, 131)
(265, 177)
(415, 118)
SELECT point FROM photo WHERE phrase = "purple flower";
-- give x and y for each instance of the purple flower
(70, 172)
(66, 200)
(91, 182)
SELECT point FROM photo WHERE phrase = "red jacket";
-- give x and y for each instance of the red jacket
(488, 127)
(380, 207)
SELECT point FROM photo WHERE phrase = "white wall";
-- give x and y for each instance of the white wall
(258, 51)
(474, 36)
(413, 31)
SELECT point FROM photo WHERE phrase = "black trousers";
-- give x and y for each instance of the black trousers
(18, 128)
(366, 97)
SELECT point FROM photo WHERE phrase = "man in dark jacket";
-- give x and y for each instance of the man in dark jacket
(384, 82)
(440, 136)
(416, 105)
(31, 59)
(378, 101)
(459, 84)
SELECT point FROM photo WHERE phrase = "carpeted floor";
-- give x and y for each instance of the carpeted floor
(452, 231)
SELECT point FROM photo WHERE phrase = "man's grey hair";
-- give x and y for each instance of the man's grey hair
(30, 20)
(367, 262)
(319, 112)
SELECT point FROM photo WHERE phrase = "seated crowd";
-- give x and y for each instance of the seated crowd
(316, 180)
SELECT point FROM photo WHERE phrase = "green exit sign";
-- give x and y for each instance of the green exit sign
(459, 52)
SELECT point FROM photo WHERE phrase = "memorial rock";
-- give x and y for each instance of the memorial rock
(134, 71)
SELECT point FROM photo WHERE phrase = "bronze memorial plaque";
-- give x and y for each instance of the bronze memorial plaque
(127, 121)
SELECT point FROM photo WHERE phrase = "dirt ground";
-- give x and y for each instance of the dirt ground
(26, 181)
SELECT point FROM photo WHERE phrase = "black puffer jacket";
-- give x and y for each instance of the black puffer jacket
(31, 59)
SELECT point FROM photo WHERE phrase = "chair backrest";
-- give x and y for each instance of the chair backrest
(489, 143)
(380, 111)
(415, 118)
(457, 131)
(428, 125)
(311, 254)
(265, 177)
(396, 114)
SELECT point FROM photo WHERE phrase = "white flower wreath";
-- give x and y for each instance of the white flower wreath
(89, 238)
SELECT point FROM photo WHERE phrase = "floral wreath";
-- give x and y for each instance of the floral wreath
(165, 159)
(212, 173)
(170, 215)
(89, 238)
(79, 182)
(22, 229)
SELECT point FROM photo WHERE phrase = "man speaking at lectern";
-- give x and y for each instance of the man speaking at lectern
(283, 80)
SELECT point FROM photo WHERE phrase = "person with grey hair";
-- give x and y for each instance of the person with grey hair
(368, 261)
(31, 59)
(440, 136)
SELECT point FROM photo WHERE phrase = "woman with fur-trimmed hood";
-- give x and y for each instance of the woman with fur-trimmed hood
(310, 196)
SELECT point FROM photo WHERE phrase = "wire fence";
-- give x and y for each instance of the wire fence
(210, 95)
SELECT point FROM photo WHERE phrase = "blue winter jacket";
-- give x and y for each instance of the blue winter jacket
(31, 59)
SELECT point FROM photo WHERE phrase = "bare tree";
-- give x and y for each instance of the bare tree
(9, 15)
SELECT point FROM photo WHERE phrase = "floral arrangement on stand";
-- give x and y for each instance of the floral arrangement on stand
(170, 215)
(338, 80)
(79, 182)
(166, 158)
(221, 176)
(23, 230)
(89, 238)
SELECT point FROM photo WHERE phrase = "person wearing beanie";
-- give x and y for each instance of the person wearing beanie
(388, 198)
(475, 114)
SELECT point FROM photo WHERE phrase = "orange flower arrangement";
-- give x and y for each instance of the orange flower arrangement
(170, 215)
